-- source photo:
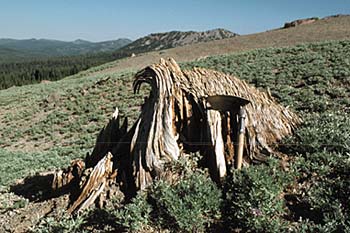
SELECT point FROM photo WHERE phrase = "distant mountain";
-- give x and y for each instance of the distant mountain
(23, 50)
(159, 41)
(30, 61)
(11, 49)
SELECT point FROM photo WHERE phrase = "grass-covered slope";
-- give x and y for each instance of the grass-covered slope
(312, 191)
(59, 118)
(333, 28)
(309, 77)
(309, 192)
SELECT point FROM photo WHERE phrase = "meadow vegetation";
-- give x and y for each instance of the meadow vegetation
(308, 192)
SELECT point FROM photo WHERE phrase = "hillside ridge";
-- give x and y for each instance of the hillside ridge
(28, 48)
(166, 40)
(328, 28)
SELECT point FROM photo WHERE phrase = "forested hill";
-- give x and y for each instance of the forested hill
(17, 50)
(31, 61)
(52, 69)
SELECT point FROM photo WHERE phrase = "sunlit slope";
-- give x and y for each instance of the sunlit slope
(64, 117)
(334, 28)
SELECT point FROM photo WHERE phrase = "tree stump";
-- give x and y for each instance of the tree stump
(174, 119)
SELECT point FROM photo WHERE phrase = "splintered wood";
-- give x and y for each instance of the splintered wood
(95, 183)
(177, 118)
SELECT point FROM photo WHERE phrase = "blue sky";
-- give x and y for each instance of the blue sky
(107, 19)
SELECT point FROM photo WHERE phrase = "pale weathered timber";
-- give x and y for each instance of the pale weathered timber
(177, 118)
(95, 183)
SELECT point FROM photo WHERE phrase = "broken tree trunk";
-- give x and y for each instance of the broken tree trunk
(176, 118)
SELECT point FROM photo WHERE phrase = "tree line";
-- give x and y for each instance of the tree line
(52, 69)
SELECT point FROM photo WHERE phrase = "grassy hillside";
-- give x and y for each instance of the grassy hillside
(44, 125)
(333, 28)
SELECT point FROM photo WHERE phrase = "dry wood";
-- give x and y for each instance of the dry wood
(175, 119)
(95, 184)
(176, 114)
(64, 178)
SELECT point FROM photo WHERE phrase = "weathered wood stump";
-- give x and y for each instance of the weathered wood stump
(176, 118)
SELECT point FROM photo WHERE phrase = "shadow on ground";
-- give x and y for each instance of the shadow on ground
(37, 188)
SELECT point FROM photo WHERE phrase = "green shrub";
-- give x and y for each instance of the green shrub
(328, 131)
(190, 205)
(326, 192)
(254, 198)
(135, 216)
(65, 224)
(191, 202)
